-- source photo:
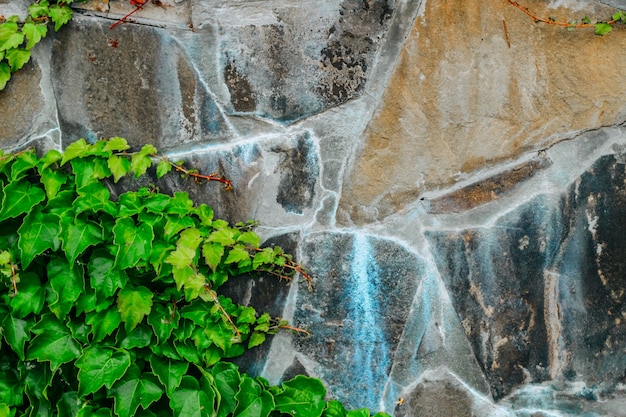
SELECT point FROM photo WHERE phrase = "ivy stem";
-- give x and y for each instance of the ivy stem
(222, 310)
(554, 22)
(197, 177)
(124, 19)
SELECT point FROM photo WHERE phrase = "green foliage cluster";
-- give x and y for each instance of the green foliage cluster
(110, 307)
(18, 38)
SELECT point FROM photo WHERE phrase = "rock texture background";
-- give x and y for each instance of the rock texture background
(452, 173)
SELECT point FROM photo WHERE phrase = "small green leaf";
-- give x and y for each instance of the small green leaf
(253, 400)
(163, 320)
(66, 283)
(34, 33)
(20, 197)
(133, 243)
(30, 296)
(302, 396)
(266, 256)
(5, 74)
(212, 253)
(186, 248)
(190, 400)
(76, 149)
(362, 412)
(250, 238)
(334, 408)
(39, 9)
(53, 343)
(135, 390)
(227, 380)
(163, 167)
(104, 278)
(169, 372)
(16, 332)
(119, 166)
(17, 58)
(180, 204)
(116, 144)
(38, 233)
(60, 15)
(134, 304)
(103, 323)
(10, 37)
(139, 164)
(100, 366)
(256, 339)
(224, 237)
(602, 28)
(78, 235)
(237, 254)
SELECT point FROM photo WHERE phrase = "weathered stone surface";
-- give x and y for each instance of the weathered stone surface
(460, 99)
(133, 82)
(287, 60)
(539, 293)
(356, 313)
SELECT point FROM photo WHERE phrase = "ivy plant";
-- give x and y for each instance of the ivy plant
(111, 306)
(17, 38)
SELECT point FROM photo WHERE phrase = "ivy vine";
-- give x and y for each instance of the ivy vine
(601, 28)
(111, 306)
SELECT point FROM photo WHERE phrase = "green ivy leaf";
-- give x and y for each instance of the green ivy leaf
(256, 339)
(163, 320)
(52, 181)
(140, 337)
(116, 144)
(94, 197)
(190, 400)
(66, 283)
(134, 304)
(39, 9)
(16, 332)
(212, 253)
(38, 233)
(17, 58)
(186, 248)
(237, 254)
(103, 323)
(334, 408)
(301, 396)
(10, 37)
(76, 149)
(362, 412)
(30, 296)
(170, 372)
(163, 167)
(602, 29)
(60, 15)
(34, 33)
(104, 278)
(250, 238)
(225, 237)
(175, 224)
(180, 204)
(133, 243)
(253, 400)
(100, 366)
(135, 390)
(5, 74)
(53, 343)
(78, 235)
(20, 197)
(266, 256)
(227, 379)
(119, 166)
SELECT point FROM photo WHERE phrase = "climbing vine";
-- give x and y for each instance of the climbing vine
(600, 27)
(111, 306)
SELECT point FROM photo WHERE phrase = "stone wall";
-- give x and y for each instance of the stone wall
(452, 173)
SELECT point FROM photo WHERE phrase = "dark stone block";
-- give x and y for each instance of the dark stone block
(299, 172)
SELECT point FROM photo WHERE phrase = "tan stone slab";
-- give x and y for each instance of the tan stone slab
(478, 83)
